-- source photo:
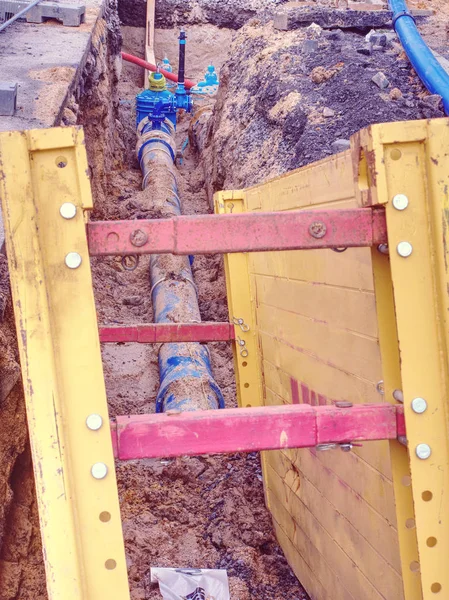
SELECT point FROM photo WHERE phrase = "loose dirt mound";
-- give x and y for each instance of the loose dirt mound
(282, 103)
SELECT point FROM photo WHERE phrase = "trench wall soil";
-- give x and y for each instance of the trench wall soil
(92, 101)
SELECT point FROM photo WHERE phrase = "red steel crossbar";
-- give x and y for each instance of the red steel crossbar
(252, 232)
(153, 333)
(250, 429)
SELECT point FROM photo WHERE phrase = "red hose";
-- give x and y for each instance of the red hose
(149, 67)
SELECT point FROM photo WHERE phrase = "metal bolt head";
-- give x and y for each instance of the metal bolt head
(73, 260)
(94, 422)
(380, 387)
(383, 248)
(398, 395)
(423, 451)
(99, 470)
(400, 202)
(138, 238)
(67, 210)
(404, 249)
(317, 229)
(343, 404)
(419, 405)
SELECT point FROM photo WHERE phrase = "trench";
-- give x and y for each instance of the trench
(199, 512)
(203, 512)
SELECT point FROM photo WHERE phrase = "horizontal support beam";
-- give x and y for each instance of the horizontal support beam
(248, 232)
(154, 333)
(250, 429)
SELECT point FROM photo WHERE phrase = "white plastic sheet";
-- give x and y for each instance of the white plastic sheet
(191, 584)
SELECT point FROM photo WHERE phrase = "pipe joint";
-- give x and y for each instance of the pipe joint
(403, 13)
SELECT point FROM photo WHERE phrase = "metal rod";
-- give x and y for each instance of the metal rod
(19, 14)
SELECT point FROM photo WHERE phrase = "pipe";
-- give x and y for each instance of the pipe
(149, 67)
(186, 380)
(424, 62)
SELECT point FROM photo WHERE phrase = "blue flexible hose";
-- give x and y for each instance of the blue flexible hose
(424, 62)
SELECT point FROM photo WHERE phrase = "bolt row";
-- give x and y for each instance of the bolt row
(73, 260)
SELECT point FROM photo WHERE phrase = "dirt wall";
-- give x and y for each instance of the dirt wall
(282, 105)
(22, 574)
(231, 14)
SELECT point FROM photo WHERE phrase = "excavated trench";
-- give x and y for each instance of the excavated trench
(197, 512)
(270, 116)
(204, 512)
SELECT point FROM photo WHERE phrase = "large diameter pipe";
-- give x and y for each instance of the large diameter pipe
(427, 67)
(186, 380)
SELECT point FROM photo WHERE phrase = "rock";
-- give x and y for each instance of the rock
(380, 80)
(321, 74)
(310, 46)
(314, 31)
(69, 117)
(335, 35)
(340, 146)
(366, 50)
(328, 112)
(132, 301)
(433, 101)
(378, 48)
(378, 39)
(395, 94)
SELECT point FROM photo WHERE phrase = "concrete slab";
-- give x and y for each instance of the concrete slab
(8, 98)
(70, 15)
(46, 61)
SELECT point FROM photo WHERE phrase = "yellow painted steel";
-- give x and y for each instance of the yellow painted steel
(241, 305)
(389, 347)
(412, 159)
(412, 301)
(61, 362)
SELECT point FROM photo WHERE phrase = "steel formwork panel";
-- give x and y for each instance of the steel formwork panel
(61, 363)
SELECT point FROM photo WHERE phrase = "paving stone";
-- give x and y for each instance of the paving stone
(310, 46)
(8, 98)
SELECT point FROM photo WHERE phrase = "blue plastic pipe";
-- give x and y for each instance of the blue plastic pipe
(424, 62)
(186, 380)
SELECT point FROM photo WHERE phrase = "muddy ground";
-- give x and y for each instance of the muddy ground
(269, 118)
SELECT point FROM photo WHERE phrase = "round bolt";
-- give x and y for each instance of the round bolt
(99, 470)
(423, 451)
(138, 238)
(73, 260)
(400, 202)
(404, 249)
(419, 405)
(398, 395)
(317, 229)
(383, 248)
(94, 422)
(343, 404)
(380, 387)
(67, 210)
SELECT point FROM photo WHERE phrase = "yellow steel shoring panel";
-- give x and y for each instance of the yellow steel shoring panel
(43, 176)
(409, 164)
(242, 312)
